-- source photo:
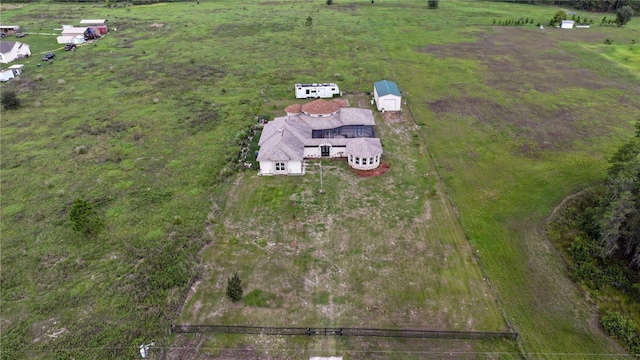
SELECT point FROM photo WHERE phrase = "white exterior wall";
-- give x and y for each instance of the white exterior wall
(64, 39)
(78, 40)
(18, 50)
(69, 39)
(375, 97)
(266, 167)
(388, 103)
(567, 24)
(317, 91)
(311, 152)
(315, 152)
(292, 167)
(369, 166)
(6, 75)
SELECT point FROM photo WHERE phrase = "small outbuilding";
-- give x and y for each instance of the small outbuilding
(6, 30)
(78, 39)
(567, 24)
(16, 69)
(13, 50)
(6, 75)
(387, 96)
(94, 22)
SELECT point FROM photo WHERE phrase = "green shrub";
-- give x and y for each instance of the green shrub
(10, 100)
(625, 330)
(234, 288)
(83, 217)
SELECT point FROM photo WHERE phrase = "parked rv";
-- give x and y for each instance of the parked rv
(6, 75)
(313, 91)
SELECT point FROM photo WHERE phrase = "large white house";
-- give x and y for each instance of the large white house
(319, 129)
(387, 96)
(12, 50)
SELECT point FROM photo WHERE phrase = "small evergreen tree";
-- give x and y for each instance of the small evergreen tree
(10, 100)
(432, 4)
(234, 288)
(309, 21)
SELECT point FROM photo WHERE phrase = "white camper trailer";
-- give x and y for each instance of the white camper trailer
(6, 75)
(312, 91)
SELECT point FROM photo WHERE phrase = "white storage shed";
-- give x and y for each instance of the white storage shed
(387, 96)
(69, 39)
(567, 24)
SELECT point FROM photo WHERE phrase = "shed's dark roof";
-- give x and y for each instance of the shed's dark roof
(6, 46)
(386, 87)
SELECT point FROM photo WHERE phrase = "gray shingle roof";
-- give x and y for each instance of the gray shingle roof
(386, 87)
(281, 145)
(364, 147)
(284, 138)
(6, 46)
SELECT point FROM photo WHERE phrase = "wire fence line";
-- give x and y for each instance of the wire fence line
(323, 331)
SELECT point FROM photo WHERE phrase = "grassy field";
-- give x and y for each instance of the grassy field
(144, 123)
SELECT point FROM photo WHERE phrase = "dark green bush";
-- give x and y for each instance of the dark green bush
(234, 288)
(10, 100)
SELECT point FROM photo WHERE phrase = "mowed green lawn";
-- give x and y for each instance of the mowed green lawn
(143, 123)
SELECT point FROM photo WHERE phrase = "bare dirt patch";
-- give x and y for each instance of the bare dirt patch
(518, 60)
(520, 64)
(393, 117)
(545, 128)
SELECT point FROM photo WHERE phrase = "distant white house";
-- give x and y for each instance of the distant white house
(319, 129)
(12, 50)
(567, 24)
(387, 96)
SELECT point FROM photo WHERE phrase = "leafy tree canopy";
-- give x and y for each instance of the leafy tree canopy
(624, 14)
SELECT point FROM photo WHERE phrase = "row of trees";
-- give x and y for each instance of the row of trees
(515, 22)
(620, 206)
(623, 16)
(585, 5)
(599, 231)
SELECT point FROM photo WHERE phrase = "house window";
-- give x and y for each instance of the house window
(370, 161)
(279, 166)
(357, 161)
(350, 158)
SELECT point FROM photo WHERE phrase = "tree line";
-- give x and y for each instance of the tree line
(599, 233)
(585, 5)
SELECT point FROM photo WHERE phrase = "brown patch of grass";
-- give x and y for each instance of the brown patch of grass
(518, 59)
(540, 128)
